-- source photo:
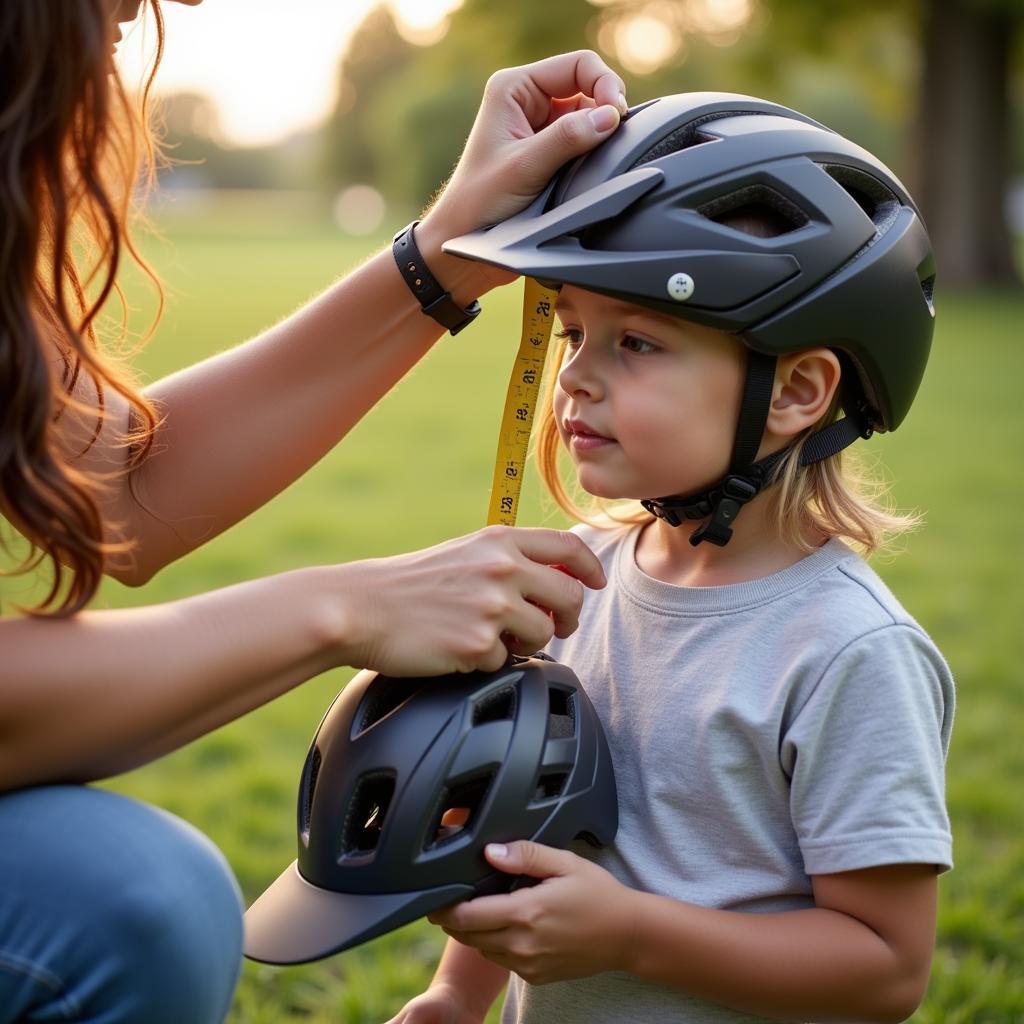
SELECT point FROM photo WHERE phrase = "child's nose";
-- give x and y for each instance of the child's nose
(580, 376)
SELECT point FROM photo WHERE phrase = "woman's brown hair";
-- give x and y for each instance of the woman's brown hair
(72, 144)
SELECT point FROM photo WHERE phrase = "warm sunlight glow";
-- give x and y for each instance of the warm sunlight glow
(423, 23)
(270, 67)
(359, 209)
(644, 35)
(644, 43)
(718, 16)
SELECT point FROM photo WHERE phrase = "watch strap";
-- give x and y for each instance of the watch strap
(433, 299)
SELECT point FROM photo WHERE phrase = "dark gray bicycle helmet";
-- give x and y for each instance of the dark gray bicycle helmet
(517, 754)
(655, 214)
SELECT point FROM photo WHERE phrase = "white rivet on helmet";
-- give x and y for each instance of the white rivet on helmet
(680, 286)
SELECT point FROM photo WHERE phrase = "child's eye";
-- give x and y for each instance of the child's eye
(634, 344)
(570, 335)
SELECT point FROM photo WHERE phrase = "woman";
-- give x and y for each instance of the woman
(112, 910)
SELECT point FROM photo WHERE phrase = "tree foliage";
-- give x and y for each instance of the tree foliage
(197, 156)
(857, 65)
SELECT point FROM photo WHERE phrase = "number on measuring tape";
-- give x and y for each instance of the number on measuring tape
(521, 403)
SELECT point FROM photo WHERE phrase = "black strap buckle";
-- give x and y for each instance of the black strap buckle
(736, 492)
(447, 313)
(660, 511)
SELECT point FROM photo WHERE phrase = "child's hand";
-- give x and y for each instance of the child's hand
(576, 922)
(440, 1004)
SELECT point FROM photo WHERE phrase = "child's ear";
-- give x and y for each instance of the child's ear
(805, 383)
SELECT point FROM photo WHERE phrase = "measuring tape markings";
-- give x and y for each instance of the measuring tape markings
(521, 402)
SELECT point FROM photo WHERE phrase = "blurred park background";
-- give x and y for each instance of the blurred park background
(304, 134)
(369, 104)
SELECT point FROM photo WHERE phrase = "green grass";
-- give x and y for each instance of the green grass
(235, 270)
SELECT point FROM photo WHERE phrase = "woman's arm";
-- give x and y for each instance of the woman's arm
(242, 425)
(101, 692)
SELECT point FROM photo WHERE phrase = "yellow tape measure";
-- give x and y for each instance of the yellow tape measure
(521, 403)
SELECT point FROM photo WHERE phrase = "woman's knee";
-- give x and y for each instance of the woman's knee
(133, 910)
(180, 924)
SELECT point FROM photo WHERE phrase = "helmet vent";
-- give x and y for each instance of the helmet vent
(383, 696)
(682, 138)
(561, 714)
(687, 136)
(550, 786)
(366, 813)
(757, 210)
(928, 288)
(457, 810)
(309, 777)
(874, 198)
(496, 706)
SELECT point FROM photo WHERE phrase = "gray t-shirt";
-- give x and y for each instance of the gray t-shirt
(761, 733)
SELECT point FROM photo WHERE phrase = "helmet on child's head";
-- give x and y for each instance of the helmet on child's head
(405, 783)
(749, 217)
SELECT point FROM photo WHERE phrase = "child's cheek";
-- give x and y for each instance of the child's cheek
(558, 411)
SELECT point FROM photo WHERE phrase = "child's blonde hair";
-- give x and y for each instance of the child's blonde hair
(841, 496)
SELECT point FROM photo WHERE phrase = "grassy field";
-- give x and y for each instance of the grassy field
(237, 268)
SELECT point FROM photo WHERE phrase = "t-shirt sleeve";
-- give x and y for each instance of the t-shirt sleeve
(866, 756)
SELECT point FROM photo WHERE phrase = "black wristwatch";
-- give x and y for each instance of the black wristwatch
(434, 300)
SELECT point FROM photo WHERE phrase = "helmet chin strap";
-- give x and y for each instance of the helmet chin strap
(720, 503)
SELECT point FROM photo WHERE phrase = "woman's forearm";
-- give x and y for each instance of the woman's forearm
(102, 692)
(814, 964)
(241, 426)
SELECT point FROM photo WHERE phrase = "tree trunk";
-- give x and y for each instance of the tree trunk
(963, 159)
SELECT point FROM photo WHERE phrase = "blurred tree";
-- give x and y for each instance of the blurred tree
(965, 127)
(923, 83)
(404, 110)
(962, 122)
(352, 138)
(198, 158)
(190, 115)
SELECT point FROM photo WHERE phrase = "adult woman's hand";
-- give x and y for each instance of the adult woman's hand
(532, 119)
(464, 604)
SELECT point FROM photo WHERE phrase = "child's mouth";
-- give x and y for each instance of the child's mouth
(583, 438)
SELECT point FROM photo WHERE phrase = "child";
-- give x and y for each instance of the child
(735, 278)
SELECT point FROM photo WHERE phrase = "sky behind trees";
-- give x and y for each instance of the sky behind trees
(270, 67)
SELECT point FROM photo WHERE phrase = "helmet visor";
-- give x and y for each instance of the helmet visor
(295, 921)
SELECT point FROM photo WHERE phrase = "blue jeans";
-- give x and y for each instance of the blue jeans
(112, 912)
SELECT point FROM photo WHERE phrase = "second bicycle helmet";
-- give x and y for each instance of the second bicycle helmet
(659, 215)
(405, 783)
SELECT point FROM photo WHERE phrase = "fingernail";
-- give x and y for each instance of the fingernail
(605, 118)
(622, 104)
(499, 851)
